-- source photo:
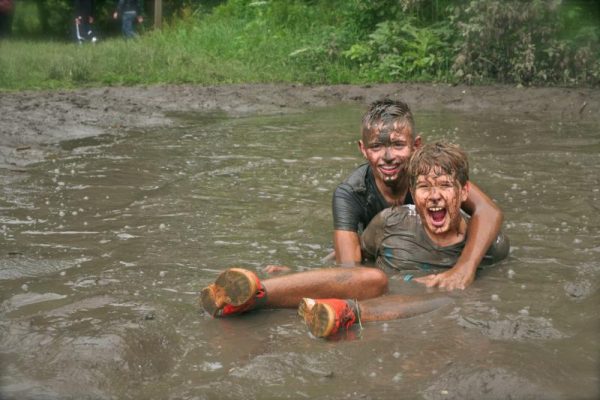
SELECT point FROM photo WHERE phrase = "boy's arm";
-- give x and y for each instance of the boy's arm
(347, 247)
(346, 216)
(354, 248)
(484, 226)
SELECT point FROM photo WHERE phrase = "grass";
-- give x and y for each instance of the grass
(302, 42)
(186, 52)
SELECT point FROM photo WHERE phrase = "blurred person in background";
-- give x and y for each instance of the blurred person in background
(84, 20)
(129, 11)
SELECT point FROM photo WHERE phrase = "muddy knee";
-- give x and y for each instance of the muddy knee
(375, 282)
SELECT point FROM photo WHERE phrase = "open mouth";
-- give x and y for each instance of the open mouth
(437, 215)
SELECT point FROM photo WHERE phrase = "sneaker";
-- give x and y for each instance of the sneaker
(325, 317)
(235, 291)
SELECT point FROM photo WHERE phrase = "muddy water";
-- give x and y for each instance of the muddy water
(106, 244)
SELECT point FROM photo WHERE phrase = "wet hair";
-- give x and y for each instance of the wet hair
(443, 158)
(387, 114)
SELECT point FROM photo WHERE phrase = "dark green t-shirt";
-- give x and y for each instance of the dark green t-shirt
(396, 239)
(357, 200)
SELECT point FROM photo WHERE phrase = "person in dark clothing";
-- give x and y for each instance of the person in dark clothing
(84, 20)
(7, 8)
(129, 11)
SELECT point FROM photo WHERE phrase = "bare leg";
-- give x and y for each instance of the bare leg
(237, 290)
(398, 306)
(359, 283)
(325, 317)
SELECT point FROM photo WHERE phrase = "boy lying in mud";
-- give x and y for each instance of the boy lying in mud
(430, 233)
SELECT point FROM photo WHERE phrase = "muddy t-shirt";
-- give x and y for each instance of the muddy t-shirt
(357, 200)
(396, 239)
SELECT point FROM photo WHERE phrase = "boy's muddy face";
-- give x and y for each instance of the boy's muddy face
(438, 198)
(388, 152)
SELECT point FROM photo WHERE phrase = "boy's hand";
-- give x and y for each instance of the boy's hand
(450, 280)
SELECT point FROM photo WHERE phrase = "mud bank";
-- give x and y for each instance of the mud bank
(31, 120)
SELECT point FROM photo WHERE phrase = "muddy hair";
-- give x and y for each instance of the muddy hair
(387, 114)
(443, 158)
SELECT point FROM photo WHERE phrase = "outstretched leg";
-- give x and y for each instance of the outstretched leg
(238, 290)
(325, 317)
(344, 283)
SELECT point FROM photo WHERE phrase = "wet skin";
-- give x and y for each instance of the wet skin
(388, 150)
(345, 283)
(437, 199)
(396, 306)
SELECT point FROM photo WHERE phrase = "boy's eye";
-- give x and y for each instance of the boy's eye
(398, 145)
(446, 183)
(376, 146)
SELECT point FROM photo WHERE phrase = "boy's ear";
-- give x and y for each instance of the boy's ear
(465, 191)
(362, 148)
(417, 142)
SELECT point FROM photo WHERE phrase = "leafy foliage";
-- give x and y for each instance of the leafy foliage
(321, 41)
(517, 41)
(398, 50)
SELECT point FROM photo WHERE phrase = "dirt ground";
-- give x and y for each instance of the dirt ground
(32, 120)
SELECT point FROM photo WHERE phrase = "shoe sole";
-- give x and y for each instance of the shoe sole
(234, 286)
(320, 319)
(305, 306)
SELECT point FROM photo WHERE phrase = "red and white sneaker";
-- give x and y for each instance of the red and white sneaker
(325, 317)
(236, 290)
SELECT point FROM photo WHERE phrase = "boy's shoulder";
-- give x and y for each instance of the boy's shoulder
(398, 214)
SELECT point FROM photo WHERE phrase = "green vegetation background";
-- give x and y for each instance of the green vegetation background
(537, 42)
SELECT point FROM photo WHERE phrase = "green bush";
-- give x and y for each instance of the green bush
(398, 50)
(524, 42)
